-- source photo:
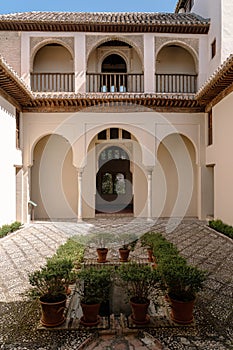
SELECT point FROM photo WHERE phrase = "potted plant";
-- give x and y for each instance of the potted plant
(157, 246)
(100, 240)
(49, 285)
(147, 241)
(127, 243)
(141, 283)
(93, 288)
(182, 283)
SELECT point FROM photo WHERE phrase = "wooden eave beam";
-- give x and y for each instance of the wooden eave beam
(201, 28)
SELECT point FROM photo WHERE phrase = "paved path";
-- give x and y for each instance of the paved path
(26, 250)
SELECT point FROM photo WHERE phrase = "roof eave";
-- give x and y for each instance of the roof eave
(197, 28)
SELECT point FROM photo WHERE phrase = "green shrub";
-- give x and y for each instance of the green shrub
(51, 280)
(5, 229)
(94, 284)
(15, 226)
(140, 281)
(221, 227)
(181, 281)
(162, 249)
(71, 250)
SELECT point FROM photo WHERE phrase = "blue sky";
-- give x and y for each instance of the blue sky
(12, 6)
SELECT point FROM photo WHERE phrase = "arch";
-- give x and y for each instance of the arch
(183, 45)
(34, 143)
(118, 59)
(53, 178)
(114, 181)
(140, 136)
(116, 38)
(177, 176)
(186, 136)
(45, 42)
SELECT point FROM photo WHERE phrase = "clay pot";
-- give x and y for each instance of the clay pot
(102, 255)
(90, 316)
(124, 254)
(181, 311)
(139, 311)
(150, 254)
(52, 313)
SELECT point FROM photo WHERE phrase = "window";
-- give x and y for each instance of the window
(107, 184)
(102, 135)
(114, 133)
(119, 184)
(210, 129)
(126, 134)
(113, 184)
(213, 48)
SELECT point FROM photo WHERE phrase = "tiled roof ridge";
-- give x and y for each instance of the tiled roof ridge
(91, 16)
(215, 77)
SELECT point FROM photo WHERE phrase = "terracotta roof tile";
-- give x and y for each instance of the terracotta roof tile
(221, 79)
(80, 20)
(12, 84)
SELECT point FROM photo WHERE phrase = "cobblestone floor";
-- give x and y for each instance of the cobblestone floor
(26, 250)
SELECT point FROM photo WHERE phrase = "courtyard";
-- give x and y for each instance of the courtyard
(26, 250)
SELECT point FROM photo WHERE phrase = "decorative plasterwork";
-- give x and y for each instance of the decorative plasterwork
(93, 41)
(43, 40)
(188, 42)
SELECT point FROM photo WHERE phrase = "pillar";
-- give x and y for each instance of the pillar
(80, 175)
(149, 63)
(149, 192)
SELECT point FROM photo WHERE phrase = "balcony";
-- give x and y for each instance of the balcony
(52, 82)
(175, 83)
(115, 82)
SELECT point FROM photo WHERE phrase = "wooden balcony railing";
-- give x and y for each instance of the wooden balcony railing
(176, 83)
(49, 82)
(115, 82)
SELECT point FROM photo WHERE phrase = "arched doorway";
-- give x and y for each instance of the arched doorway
(114, 182)
(115, 70)
(114, 64)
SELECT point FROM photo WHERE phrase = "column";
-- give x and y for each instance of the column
(80, 175)
(25, 58)
(149, 192)
(80, 62)
(149, 63)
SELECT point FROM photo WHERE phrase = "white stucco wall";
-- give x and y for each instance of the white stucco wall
(148, 129)
(220, 13)
(9, 157)
(220, 155)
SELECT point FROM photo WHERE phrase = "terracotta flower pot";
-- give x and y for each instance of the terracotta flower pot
(139, 311)
(150, 254)
(124, 254)
(181, 311)
(52, 313)
(102, 255)
(90, 314)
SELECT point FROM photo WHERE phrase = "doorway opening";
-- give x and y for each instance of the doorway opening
(114, 182)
